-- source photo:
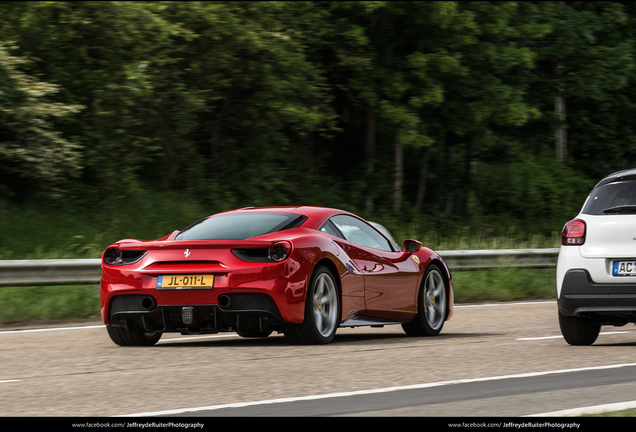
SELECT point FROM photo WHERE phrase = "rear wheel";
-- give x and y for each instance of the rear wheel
(322, 311)
(578, 330)
(432, 305)
(124, 337)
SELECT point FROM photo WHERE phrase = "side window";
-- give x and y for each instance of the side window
(359, 232)
(330, 228)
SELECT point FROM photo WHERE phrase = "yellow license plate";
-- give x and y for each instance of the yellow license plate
(195, 281)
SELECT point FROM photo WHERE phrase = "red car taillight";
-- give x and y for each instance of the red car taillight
(280, 251)
(573, 233)
(112, 256)
(115, 256)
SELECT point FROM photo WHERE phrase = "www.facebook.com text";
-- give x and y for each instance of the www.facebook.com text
(516, 425)
(139, 425)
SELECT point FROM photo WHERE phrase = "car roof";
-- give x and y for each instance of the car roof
(316, 214)
(617, 175)
(305, 210)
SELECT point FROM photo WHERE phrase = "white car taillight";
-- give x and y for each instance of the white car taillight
(573, 233)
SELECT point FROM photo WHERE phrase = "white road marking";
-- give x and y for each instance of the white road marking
(596, 409)
(371, 391)
(49, 329)
(539, 338)
(189, 338)
(561, 337)
(183, 339)
(503, 304)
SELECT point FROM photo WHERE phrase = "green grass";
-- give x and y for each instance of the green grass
(36, 231)
(503, 284)
(468, 238)
(49, 303)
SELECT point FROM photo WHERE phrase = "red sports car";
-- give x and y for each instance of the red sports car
(302, 271)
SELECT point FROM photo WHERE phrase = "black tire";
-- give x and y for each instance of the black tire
(578, 330)
(432, 305)
(124, 337)
(322, 311)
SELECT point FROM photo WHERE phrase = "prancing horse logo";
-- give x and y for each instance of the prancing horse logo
(187, 253)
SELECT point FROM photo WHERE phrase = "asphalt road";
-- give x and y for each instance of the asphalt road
(490, 360)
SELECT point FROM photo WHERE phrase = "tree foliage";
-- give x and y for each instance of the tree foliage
(481, 112)
(32, 152)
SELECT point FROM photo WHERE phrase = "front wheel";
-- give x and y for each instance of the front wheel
(578, 330)
(432, 305)
(322, 311)
(124, 337)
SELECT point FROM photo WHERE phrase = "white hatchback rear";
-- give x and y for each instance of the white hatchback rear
(596, 270)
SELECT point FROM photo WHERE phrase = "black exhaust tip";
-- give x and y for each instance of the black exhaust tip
(224, 301)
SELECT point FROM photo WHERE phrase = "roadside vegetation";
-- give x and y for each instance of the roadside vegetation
(486, 115)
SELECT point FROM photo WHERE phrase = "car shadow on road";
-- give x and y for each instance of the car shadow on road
(617, 344)
(340, 339)
(401, 338)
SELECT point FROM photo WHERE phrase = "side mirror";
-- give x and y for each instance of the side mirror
(411, 246)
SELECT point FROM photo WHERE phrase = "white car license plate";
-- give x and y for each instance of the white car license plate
(624, 268)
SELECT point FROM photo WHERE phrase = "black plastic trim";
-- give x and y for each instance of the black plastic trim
(246, 310)
(580, 295)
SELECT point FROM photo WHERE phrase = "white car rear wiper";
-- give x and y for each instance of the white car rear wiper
(621, 209)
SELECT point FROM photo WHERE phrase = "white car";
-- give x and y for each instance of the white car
(596, 269)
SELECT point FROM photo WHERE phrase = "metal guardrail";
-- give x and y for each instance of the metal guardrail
(45, 272)
(482, 259)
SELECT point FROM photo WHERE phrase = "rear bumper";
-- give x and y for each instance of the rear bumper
(608, 303)
(240, 312)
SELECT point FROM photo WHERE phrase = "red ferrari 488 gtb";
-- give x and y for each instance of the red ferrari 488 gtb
(302, 271)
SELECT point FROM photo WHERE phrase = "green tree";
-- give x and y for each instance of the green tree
(435, 77)
(34, 156)
(97, 52)
(486, 100)
(415, 108)
(215, 99)
(262, 100)
(587, 58)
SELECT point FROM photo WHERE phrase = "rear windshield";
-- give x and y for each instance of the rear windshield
(618, 197)
(240, 226)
